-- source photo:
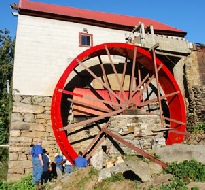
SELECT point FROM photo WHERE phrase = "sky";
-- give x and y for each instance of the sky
(186, 15)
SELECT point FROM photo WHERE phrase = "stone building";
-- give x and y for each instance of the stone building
(49, 37)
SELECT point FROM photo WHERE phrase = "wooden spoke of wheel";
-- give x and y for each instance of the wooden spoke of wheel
(92, 143)
(116, 74)
(174, 120)
(123, 75)
(96, 146)
(133, 100)
(133, 72)
(180, 132)
(89, 121)
(139, 73)
(143, 81)
(156, 99)
(157, 81)
(88, 105)
(96, 93)
(165, 118)
(131, 146)
(100, 81)
(94, 140)
(172, 130)
(106, 79)
(139, 86)
(91, 98)
(139, 77)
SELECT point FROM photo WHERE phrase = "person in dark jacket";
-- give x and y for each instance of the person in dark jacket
(45, 175)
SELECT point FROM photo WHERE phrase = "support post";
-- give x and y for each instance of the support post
(157, 81)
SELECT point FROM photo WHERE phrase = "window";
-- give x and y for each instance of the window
(85, 40)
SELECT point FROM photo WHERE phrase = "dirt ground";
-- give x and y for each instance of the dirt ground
(81, 179)
(84, 179)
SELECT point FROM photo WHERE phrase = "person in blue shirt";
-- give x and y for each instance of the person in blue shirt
(80, 162)
(37, 162)
(59, 165)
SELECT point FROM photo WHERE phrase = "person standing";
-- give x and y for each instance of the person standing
(80, 162)
(37, 162)
(68, 166)
(59, 165)
(45, 175)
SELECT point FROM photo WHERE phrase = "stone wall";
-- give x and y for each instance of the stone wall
(195, 87)
(30, 120)
(135, 129)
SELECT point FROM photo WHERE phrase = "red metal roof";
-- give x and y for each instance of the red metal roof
(116, 19)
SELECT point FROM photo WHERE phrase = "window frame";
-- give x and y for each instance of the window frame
(85, 34)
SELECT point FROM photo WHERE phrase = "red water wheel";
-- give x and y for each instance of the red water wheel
(111, 79)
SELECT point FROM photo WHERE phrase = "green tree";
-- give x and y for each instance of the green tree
(6, 69)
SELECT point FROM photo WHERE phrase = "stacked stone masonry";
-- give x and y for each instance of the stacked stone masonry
(195, 87)
(30, 120)
(135, 129)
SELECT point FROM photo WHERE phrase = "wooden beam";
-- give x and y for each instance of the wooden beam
(131, 146)
(89, 121)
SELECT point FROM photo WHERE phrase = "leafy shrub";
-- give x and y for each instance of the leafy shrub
(177, 183)
(24, 183)
(6, 69)
(199, 128)
(187, 170)
(3, 169)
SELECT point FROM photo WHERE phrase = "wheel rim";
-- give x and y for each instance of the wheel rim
(121, 99)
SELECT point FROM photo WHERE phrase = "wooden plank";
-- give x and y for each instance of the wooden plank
(89, 121)
(150, 135)
(162, 129)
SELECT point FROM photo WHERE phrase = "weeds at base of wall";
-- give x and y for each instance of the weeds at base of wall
(24, 183)
(3, 169)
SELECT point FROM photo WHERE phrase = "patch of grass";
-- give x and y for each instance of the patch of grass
(104, 185)
(82, 182)
(84, 179)
(176, 183)
(115, 177)
(156, 156)
(93, 171)
(132, 157)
